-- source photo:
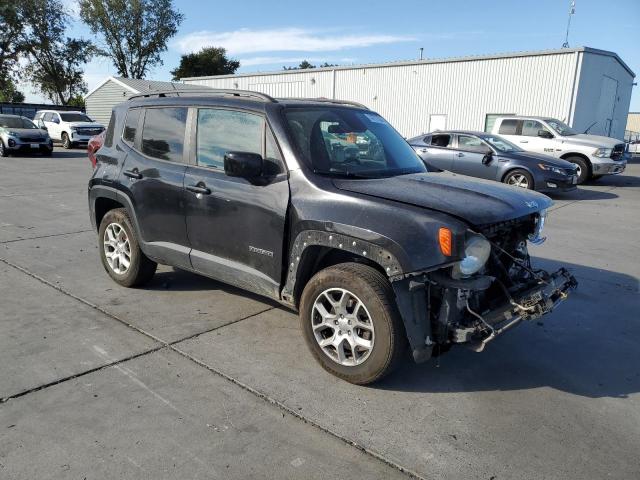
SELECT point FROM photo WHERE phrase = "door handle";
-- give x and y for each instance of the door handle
(199, 188)
(524, 141)
(133, 174)
(423, 150)
(460, 154)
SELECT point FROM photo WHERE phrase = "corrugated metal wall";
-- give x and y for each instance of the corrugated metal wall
(99, 104)
(465, 91)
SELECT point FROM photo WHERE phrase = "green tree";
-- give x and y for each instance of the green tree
(133, 33)
(55, 60)
(76, 101)
(206, 62)
(11, 27)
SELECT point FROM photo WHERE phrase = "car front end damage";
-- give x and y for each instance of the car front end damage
(492, 288)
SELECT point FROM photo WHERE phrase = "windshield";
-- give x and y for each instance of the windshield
(74, 117)
(500, 144)
(348, 142)
(560, 128)
(16, 122)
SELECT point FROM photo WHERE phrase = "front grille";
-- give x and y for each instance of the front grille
(618, 152)
(32, 139)
(498, 231)
(89, 131)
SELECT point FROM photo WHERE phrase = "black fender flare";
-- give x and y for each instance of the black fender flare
(331, 238)
(104, 191)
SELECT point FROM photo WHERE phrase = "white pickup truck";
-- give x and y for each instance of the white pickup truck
(594, 155)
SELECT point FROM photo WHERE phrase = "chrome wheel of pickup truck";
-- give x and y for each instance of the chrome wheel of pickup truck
(342, 326)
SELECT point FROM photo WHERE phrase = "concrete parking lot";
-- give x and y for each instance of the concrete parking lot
(189, 378)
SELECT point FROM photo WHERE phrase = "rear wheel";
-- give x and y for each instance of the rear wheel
(120, 251)
(66, 141)
(351, 324)
(584, 169)
(519, 178)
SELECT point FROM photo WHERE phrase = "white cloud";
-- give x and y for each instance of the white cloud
(280, 40)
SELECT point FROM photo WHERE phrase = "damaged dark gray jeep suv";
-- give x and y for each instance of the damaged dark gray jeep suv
(324, 207)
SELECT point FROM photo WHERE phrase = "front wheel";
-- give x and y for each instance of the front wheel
(519, 178)
(584, 169)
(66, 141)
(120, 251)
(351, 324)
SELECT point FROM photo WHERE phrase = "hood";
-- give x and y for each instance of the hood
(595, 141)
(477, 202)
(535, 158)
(86, 125)
(28, 132)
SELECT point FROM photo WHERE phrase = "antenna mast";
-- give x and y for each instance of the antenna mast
(572, 10)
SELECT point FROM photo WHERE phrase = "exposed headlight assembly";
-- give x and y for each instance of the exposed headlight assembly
(550, 168)
(536, 237)
(603, 152)
(476, 253)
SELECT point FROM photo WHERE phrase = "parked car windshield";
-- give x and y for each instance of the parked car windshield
(16, 122)
(74, 117)
(500, 144)
(343, 141)
(561, 128)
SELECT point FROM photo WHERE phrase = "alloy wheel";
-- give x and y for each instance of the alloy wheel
(117, 248)
(342, 326)
(518, 180)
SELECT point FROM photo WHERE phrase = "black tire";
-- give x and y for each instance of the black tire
(373, 289)
(584, 168)
(66, 141)
(517, 173)
(141, 269)
(3, 151)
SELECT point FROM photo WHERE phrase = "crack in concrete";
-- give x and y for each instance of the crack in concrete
(171, 346)
(45, 236)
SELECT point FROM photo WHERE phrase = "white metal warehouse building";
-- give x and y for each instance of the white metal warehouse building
(577, 85)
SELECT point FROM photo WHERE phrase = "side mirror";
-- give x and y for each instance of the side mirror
(42, 126)
(243, 164)
(545, 134)
(486, 160)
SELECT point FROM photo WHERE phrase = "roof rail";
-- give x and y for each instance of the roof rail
(329, 100)
(207, 91)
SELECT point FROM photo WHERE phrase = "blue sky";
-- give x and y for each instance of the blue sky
(265, 35)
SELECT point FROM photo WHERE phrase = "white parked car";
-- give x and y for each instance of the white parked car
(69, 128)
(594, 155)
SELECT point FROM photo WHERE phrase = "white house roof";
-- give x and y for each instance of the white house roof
(136, 86)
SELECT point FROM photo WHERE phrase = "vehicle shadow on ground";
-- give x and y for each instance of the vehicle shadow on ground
(582, 194)
(183, 281)
(587, 347)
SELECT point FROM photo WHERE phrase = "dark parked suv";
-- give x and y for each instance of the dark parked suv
(324, 207)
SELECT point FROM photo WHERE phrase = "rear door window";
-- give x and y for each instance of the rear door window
(508, 127)
(163, 133)
(441, 140)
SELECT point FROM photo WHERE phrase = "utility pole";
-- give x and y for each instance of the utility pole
(421, 51)
(572, 10)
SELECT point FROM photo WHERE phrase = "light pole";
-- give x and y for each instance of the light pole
(572, 10)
